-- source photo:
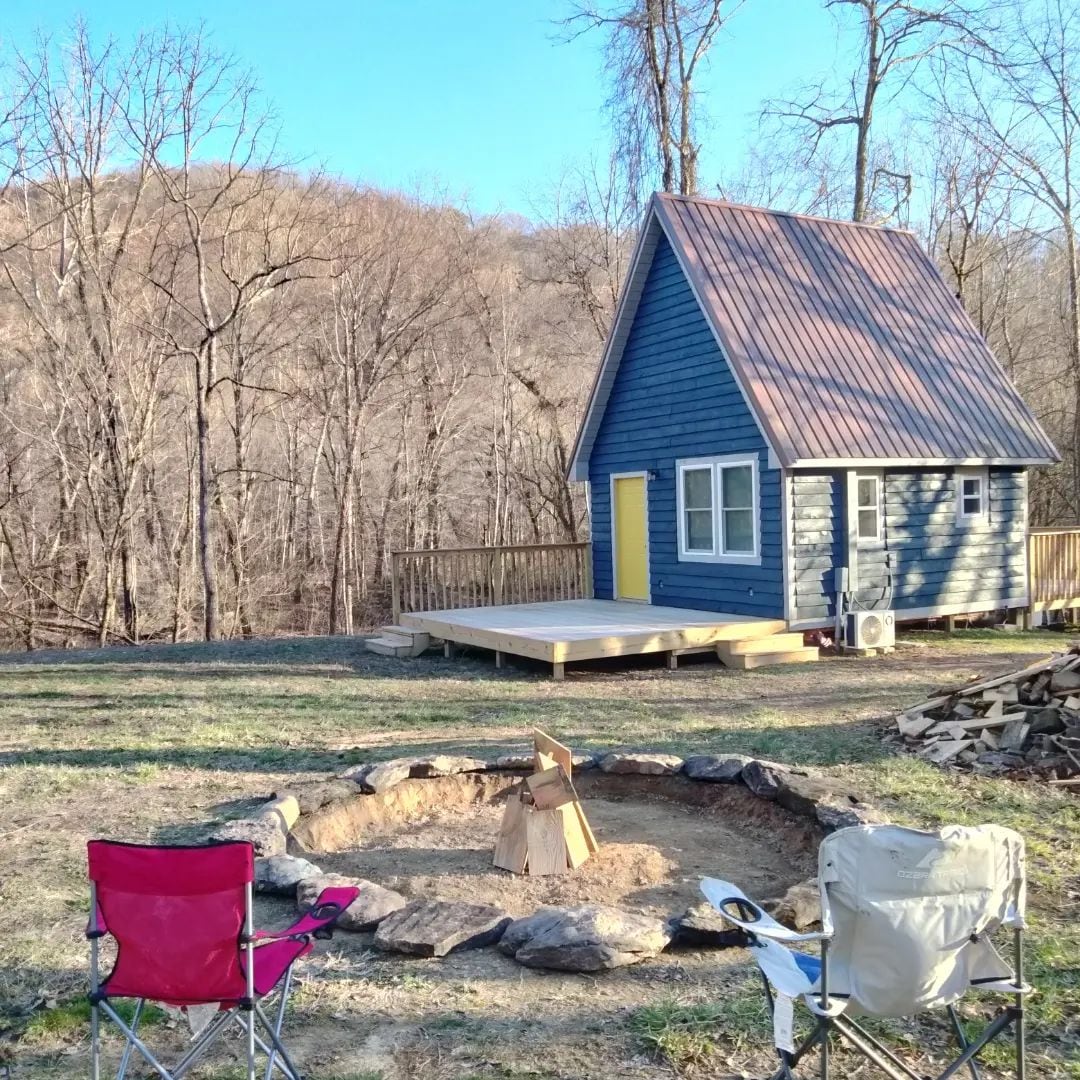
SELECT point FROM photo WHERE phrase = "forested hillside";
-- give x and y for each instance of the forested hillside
(230, 385)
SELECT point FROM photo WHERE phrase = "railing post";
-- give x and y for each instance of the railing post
(395, 587)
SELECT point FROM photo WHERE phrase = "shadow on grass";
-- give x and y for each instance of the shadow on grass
(820, 744)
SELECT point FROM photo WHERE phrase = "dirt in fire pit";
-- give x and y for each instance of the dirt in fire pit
(657, 837)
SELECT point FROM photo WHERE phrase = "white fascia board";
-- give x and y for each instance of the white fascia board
(914, 463)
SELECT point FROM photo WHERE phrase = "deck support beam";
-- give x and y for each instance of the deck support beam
(558, 671)
(498, 658)
(673, 661)
(448, 649)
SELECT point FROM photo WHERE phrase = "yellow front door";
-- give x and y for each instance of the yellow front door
(631, 556)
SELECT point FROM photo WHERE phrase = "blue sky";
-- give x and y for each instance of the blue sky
(475, 97)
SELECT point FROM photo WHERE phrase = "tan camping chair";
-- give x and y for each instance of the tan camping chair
(907, 919)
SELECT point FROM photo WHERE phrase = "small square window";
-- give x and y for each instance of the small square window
(972, 499)
(868, 499)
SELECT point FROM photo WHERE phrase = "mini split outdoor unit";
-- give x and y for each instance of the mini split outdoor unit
(870, 630)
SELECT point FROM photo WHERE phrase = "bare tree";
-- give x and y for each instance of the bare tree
(896, 37)
(240, 231)
(1029, 113)
(654, 51)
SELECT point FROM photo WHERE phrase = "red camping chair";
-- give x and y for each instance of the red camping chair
(181, 918)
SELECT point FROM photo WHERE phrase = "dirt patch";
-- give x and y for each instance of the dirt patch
(658, 837)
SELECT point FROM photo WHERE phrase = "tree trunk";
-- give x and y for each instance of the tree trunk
(203, 367)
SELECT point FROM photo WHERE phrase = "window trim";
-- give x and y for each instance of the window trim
(982, 517)
(879, 487)
(716, 465)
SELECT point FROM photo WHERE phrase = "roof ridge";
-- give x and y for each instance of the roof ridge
(728, 204)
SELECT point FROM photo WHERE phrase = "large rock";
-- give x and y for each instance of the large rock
(800, 793)
(643, 764)
(316, 794)
(763, 777)
(522, 761)
(525, 760)
(379, 775)
(716, 769)
(587, 938)
(703, 927)
(265, 834)
(426, 768)
(833, 816)
(437, 927)
(367, 911)
(799, 907)
(284, 808)
(280, 874)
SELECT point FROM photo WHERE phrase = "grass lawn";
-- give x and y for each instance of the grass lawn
(155, 744)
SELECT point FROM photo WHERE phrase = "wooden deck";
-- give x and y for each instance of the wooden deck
(566, 630)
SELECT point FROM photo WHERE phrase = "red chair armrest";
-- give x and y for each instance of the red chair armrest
(329, 906)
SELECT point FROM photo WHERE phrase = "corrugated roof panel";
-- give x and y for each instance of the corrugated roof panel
(846, 340)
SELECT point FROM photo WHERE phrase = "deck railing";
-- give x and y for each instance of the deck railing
(441, 579)
(1054, 568)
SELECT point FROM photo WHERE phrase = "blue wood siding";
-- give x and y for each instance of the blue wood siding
(933, 561)
(926, 559)
(674, 397)
(818, 542)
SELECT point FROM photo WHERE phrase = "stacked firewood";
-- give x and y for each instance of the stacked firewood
(1026, 723)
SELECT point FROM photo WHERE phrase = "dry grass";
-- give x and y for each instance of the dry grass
(155, 744)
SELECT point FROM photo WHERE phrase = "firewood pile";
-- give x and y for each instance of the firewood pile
(1026, 723)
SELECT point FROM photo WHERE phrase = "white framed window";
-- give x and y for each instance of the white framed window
(719, 509)
(868, 506)
(972, 496)
(699, 534)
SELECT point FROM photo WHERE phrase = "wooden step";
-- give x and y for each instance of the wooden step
(389, 646)
(773, 643)
(746, 661)
(416, 641)
(741, 630)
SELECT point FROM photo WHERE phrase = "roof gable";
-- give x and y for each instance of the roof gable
(846, 341)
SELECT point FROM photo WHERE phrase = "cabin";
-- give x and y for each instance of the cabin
(794, 425)
(795, 417)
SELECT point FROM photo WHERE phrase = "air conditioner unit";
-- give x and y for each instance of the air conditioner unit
(870, 630)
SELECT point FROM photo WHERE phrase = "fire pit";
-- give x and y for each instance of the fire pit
(421, 846)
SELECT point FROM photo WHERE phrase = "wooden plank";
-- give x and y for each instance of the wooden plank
(511, 844)
(547, 842)
(975, 723)
(914, 726)
(577, 847)
(551, 788)
(945, 751)
(586, 828)
(555, 751)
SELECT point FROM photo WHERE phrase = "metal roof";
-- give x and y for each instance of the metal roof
(847, 343)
